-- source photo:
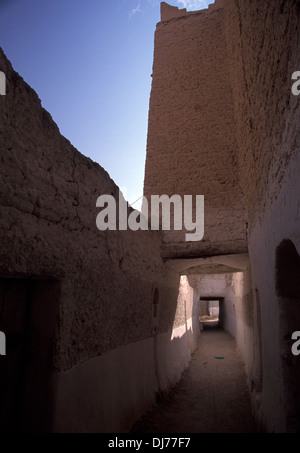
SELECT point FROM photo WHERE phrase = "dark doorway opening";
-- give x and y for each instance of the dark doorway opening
(288, 292)
(210, 312)
(28, 318)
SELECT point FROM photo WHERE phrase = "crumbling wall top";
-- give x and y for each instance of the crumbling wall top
(168, 12)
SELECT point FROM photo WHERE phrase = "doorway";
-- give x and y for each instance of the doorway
(28, 312)
(210, 312)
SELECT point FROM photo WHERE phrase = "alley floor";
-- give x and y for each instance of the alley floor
(212, 396)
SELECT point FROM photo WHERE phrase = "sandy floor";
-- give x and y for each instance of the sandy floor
(212, 396)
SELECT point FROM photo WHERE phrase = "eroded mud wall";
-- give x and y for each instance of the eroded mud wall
(263, 42)
(114, 302)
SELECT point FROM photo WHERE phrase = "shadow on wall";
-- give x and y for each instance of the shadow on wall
(288, 292)
(110, 392)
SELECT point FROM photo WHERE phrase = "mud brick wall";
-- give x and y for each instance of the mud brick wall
(95, 288)
(192, 146)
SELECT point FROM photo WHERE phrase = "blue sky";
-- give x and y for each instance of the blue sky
(90, 62)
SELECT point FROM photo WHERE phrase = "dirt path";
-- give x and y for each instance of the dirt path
(212, 396)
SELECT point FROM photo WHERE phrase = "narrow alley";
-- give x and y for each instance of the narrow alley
(212, 396)
(180, 206)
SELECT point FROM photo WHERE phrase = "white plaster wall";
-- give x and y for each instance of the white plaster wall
(242, 301)
(229, 305)
(280, 222)
(174, 351)
(214, 285)
(175, 347)
(110, 393)
(107, 393)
